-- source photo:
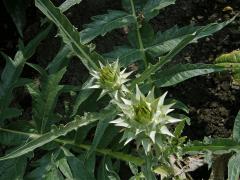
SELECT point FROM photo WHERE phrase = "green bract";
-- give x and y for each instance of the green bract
(110, 78)
(144, 116)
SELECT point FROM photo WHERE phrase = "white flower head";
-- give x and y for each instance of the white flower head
(110, 78)
(144, 116)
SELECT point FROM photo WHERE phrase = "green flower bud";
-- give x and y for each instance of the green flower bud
(143, 113)
(144, 116)
(110, 78)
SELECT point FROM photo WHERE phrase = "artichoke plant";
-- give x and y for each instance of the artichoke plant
(145, 118)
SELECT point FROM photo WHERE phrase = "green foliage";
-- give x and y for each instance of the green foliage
(55, 132)
(13, 169)
(90, 143)
(10, 77)
(231, 61)
(105, 23)
(44, 100)
(68, 32)
(182, 72)
(68, 4)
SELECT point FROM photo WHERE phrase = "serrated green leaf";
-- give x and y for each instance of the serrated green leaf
(216, 146)
(167, 40)
(124, 54)
(105, 152)
(181, 72)
(105, 23)
(56, 132)
(47, 167)
(162, 61)
(236, 128)
(234, 167)
(31, 47)
(69, 34)
(202, 32)
(67, 4)
(152, 7)
(45, 98)
(10, 77)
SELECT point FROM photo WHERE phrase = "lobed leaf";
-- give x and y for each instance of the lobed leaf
(181, 72)
(67, 4)
(152, 7)
(168, 40)
(105, 23)
(202, 32)
(56, 132)
(10, 77)
(45, 98)
(105, 152)
(216, 146)
(69, 34)
(51, 166)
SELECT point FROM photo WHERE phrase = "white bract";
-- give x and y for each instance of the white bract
(145, 118)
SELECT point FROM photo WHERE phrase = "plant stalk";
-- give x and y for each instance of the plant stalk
(139, 37)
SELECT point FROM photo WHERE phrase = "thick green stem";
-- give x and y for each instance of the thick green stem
(139, 37)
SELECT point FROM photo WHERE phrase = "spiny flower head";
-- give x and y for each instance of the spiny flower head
(144, 118)
(110, 78)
